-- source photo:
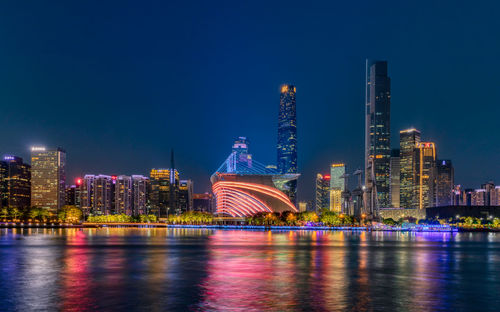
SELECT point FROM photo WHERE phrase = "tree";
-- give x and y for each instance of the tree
(14, 213)
(4, 213)
(496, 222)
(70, 213)
(389, 221)
(309, 216)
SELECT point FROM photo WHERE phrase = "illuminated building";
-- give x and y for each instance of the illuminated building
(478, 197)
(102, 194)
(408, 140)
(140, 186)
(71, 195)
(489, 187)
(444, 183)
(185, 201)
(337, 186)
(322, 200)
(287, 137)
(243, 188)
(425, 156)
(123, 195)
(3, 184)
(395, 178)
(48, 178)
(162, 183)
(202, 202)
(495, 196)
(378, 131)
(15, 183)
(302, 206)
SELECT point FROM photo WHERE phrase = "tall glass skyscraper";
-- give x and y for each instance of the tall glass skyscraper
(48, 178)
(287, 136)
(408, 140)
(337, 186)
(378, 130)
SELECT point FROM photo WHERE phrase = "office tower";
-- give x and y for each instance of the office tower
(425, 156)
(203, 202)
(378, 132)
(287, 137)
(408, 140)
(70, 196)
(185, 200)
(458, 196)
(395, 178)
(140, 185)
(15, 183)
(123, 195)
(87, 194)
(48, 178)
(162, 182)
(444, 183)
(322, 200)
(337, 186)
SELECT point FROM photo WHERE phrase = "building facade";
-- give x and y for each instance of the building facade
(425, 156)
(48, 178)
(123, 195)
(408, 140)
(337, 186)
(185, 201)
(378, 131)
(140, 186)
(287, 136)
(395, 178)
(322, 198)
(445, 182)
(203, 202)
(15, 183)
(162, 183)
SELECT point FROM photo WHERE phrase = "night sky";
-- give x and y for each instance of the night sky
(117, 85)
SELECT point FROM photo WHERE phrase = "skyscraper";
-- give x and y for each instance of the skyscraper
(162, 183)
(408, 140)
(395, 178)
(287, 136)
(48, 178)
(337, 186)
(185, 200)
(322, 191)
(378, 131)
(426, 174)
(15, 183)
(445, 182)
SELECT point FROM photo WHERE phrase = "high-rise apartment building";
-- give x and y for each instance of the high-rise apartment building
(140, 185)
(15, 183)
(337, 186)
(444, 183)
(287, 136)
(395, 178)
(123, 195)
(378, 131)
(408, 140)
(425, 156)
(322, 200)
(48, 178)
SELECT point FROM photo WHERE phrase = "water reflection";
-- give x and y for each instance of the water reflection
(196, 269)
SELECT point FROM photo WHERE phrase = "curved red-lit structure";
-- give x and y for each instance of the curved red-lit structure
(244, 187)
(240, 199)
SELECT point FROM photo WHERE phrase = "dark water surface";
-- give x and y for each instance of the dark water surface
(212, 270)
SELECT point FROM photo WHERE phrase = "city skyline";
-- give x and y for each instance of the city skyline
(63, 105)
